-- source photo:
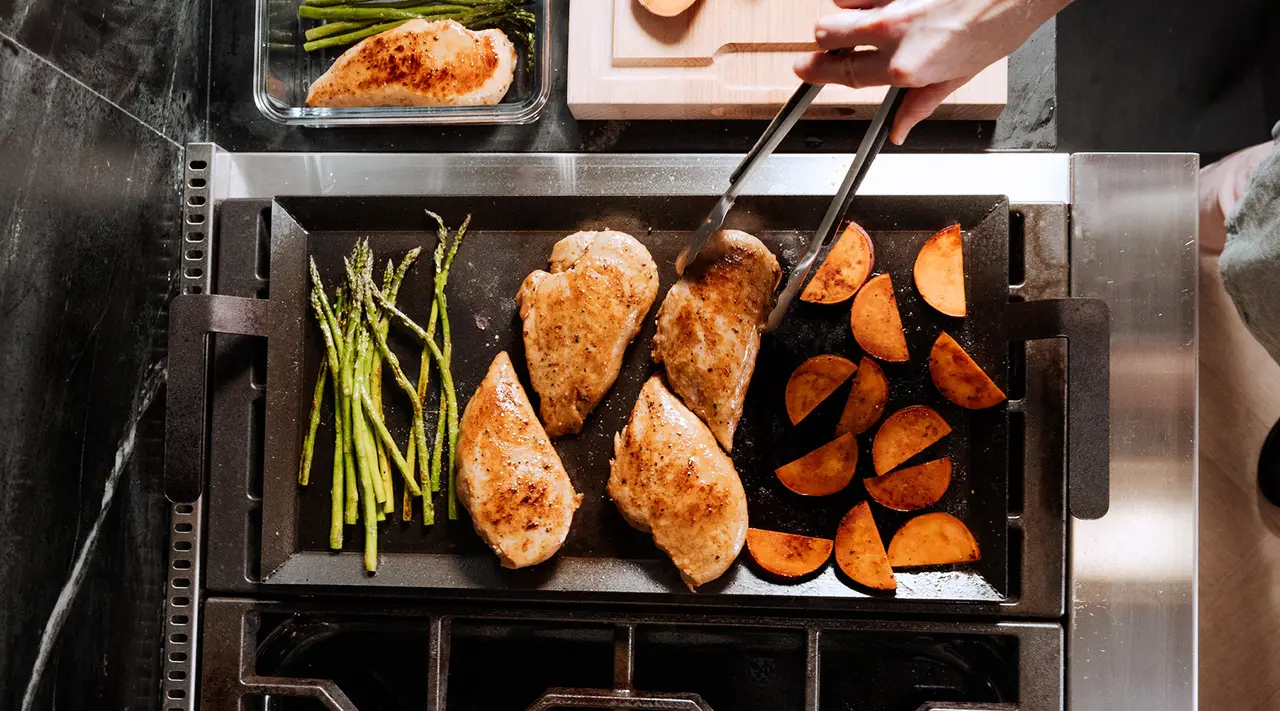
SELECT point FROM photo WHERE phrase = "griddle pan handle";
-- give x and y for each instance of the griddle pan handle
(192, 317)
(618, 699)
(1086, 324)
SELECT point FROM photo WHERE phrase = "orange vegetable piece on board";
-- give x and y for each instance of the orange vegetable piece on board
(939, 271)
(813, 382)
(866, 400)
(932, 539)
(823, 471)
(959, 378)
(846, 268)
(875, 321)
(912, 488)
(905, 434)
(860, 552)
(788, 555)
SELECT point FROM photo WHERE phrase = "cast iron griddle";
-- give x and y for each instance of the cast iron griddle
(513, 236)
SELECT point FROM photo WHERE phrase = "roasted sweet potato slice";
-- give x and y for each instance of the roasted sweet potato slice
(939, 271)
(860, 552)
(866, 400)
(913, 488)
(905, 434)
(813, 382)
(844, 270)
(931, 539)
(789, 555)
(959, 378)
(875, 321)
(823, 471)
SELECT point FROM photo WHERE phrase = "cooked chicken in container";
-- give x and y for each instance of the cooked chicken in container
(669, 477)
(510, 479)
(420, 63)
(709, 328)
(579, 319)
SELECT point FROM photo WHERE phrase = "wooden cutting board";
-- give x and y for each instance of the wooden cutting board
(720, 59)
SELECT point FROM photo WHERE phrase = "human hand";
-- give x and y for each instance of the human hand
(1221, 185)
(931, 46)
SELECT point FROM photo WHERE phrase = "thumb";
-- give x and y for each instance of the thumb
(919, 104)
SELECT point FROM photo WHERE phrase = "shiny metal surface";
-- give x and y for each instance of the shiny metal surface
(1024, 177)
(1132, 636)
(1131, 621)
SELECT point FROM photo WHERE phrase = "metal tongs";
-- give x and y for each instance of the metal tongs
(781, 125)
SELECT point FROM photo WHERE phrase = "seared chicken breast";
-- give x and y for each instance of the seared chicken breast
(709, 328)
(510, 479)
(420, 63)
(579, 319)
(669, 477)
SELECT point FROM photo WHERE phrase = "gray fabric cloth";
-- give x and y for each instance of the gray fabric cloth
(1250, 263)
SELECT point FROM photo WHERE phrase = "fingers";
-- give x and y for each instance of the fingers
(856, 28)
(918, 105)
(857, 69)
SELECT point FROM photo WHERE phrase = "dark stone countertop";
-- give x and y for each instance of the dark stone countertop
(1028, 122)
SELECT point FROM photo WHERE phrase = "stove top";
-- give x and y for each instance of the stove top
(302, 647)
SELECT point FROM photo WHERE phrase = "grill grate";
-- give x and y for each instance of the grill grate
(293, 655)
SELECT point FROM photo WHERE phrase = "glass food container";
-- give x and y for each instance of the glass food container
(283, 71)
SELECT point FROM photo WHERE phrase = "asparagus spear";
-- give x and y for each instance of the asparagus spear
(449, 397)
(357, 13)
(335, 28)
(367, 293)
(440, 364)
(335, 527)
(351, 37)
(515, 20)
(348, 441)
(309, 442)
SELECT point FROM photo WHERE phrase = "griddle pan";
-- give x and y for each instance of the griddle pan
(512, 236)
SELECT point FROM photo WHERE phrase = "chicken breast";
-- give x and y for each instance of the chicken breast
(420, 63)
(669, 477)
(510, 479)
(579, 319)
(709, 328)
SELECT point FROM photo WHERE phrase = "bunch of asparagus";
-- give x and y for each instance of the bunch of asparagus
(355, 326)
(349, 21)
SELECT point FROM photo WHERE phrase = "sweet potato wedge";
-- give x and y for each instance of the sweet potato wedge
(905, 434)
(913, 488)
(788, 555)
(939, 271)
(866, 400)
(875, 321)
(844, 270)
(813, 382)
(959, 378)
(823, 471)
(931, 539)
(860, 552)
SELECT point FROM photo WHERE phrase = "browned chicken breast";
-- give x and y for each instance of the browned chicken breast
(420, 63)
(579, 319)
(510, 479)
(709, 328)
(669, 477)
